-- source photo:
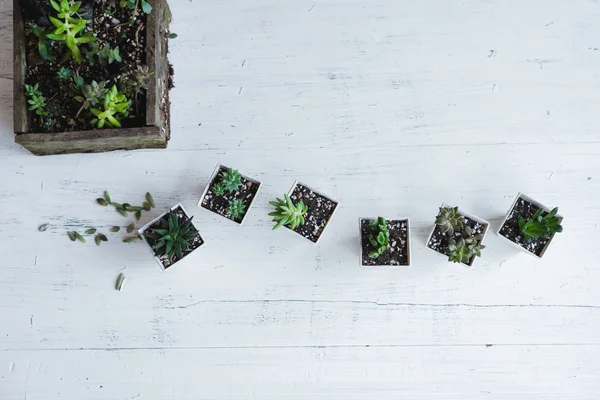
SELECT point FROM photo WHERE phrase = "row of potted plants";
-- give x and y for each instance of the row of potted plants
(457, 235)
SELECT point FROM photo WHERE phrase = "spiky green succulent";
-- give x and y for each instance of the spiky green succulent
(219, 189)
(288, 213)
(114, 103)
(540, 227)
(449, 220)
(231, 179)
(69, 26)
(173, 237)
(379, 237)
(236, 209)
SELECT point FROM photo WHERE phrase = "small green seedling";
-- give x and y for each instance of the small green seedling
(36, 101)
(288, 213)
(68, 27)
(114, 103)
(231, 179)
(449, 220)
(379, 237)
(236, 209)
(64, 74)
(173, 237)
(540, 227)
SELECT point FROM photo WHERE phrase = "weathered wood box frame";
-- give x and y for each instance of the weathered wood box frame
(155, 134)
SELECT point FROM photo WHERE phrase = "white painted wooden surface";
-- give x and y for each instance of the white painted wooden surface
(391, 107)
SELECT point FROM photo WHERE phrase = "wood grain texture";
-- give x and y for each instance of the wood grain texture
(389, 107)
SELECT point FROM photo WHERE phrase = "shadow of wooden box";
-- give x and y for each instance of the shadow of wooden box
(155, 134)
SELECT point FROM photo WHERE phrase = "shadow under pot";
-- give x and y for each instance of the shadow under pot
(229, 194)
(304, 211)
(458, 235)
(384, 243)
(171, 237)
(530, 226)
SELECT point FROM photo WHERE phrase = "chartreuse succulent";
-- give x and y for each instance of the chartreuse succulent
(69, 26)
(114, 103)
(540, 227)
(449, 220)
(379, 237)
(236, 209)
(173, 237)
(288, 213)
(231, 180)
(464, 248)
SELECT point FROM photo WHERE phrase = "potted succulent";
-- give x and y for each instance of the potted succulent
(91, 75)
(530, 226)
(229, 194)
(384, 243)
(171, 237)
(458, 235)
(304, 211)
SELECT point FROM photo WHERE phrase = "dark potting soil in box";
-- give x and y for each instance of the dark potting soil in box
(320, 210)
(439, 240)
(512, 232)
(397, 254)
(110, 25)
(182, 217)
(218, 204)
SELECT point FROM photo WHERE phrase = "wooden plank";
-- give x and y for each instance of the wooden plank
(20, 57)
(311, 373)
(93, 141)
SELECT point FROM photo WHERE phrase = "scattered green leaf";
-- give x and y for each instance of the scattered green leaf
(79, 237)
(90, 231)
(43, 227)
(102, 202)
(115, 229)
(120, 281)
(71, 236)
(130, 227)
(150, 200)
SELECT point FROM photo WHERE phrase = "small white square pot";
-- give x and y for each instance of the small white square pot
(291, 192)
(508, 215)
(484, 223)
(214, 176)
(148, 225)
(384, 266)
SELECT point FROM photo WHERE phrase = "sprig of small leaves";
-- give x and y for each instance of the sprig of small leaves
(540, 226)
(236, 209)
(36, 101)
(379, 237)
(288, 213)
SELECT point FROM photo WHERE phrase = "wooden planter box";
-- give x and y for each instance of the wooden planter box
(155, 134)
